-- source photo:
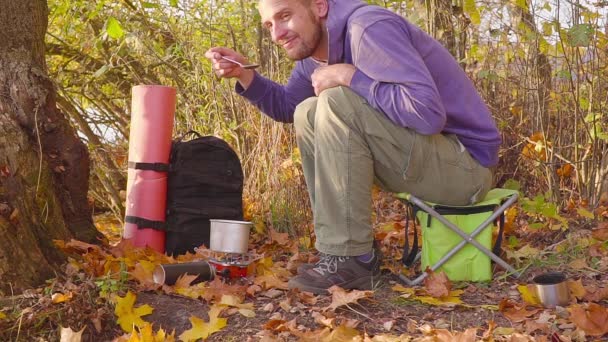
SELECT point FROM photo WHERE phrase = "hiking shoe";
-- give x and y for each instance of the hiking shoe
(302, 268)
(348, 272)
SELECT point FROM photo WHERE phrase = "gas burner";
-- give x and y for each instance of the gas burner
(229, 265)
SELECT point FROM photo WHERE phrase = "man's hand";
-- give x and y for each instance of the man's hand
(226, 69)
(332, 76)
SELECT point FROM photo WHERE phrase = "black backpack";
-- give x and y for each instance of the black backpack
(205, 182)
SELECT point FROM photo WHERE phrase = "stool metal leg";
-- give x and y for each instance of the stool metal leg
(466, 238)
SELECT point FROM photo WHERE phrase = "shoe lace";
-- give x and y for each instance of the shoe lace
(328, 263)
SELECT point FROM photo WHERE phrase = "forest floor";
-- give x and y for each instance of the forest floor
(106, 293)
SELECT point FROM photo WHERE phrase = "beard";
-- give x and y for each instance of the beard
(307, 47)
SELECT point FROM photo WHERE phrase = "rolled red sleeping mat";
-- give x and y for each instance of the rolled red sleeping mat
(152, 115)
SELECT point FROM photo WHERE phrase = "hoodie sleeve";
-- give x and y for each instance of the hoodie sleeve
(276, 100)
(393, 77)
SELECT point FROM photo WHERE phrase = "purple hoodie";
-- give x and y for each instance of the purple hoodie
(401, 71)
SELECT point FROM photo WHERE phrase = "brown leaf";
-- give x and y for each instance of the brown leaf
(514, 311)
(322, 320)
(340, 297)
(217, 288)
(269, 281)
(593, 320)
(307, 298)
(437, 284)
(280, 238)
(598, 250)
(185, 280)
(578, 264)
(532, 326)
(601, 232)
(276, 325)
(490, 332)
(468, 335)
(595, 294)
(14, 215)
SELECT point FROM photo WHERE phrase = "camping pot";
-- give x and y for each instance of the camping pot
(552, 289)
(229, 236)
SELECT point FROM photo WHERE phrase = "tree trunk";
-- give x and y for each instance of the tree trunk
(44, 167)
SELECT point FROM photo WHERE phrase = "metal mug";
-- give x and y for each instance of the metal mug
(229, 236)
(552, 289)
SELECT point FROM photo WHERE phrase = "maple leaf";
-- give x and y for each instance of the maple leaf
(340, 297)
(525, 252)
(217, 288)
(453, 298)
(593, 320)
(595, 294)
(437, 284)
(143, 273)
(129, 316)
(201, 329)
(443, 335)
(342, 333)
(321, 319)
(146, 333)
(516, 312)
(234, 301)
(269, 281)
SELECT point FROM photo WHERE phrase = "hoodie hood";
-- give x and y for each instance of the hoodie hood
(337, 17)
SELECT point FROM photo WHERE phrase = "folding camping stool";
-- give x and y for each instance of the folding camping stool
(471, 224)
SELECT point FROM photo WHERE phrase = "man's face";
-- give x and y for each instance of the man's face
(292, 24)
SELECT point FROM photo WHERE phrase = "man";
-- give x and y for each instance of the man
(372, 98)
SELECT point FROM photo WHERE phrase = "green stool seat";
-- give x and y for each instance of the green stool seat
(456, 239)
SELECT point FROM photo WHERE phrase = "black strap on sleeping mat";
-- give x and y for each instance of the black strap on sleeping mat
(145, 223)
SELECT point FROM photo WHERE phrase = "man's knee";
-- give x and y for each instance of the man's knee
(338, 94)
(338, 102)
(304, 113)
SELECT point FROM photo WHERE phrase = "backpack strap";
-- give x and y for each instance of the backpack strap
(145, 223)
(159, 167)
(410, 256)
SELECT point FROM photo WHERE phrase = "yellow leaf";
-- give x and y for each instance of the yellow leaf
(582, 212)
(2, 315)
(528, 294)
(60, 297)
(342, 333)
(471, 9)
(201, 329)
(244, 309)
(143, 272)
(129, 316)
(450, 300)
(146, 333)
(525, 252)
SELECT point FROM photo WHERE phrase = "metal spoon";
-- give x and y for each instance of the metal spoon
(244, 66)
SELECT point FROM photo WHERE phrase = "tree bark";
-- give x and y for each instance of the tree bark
(44, 166)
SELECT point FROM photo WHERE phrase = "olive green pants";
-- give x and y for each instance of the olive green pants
(346, 146)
